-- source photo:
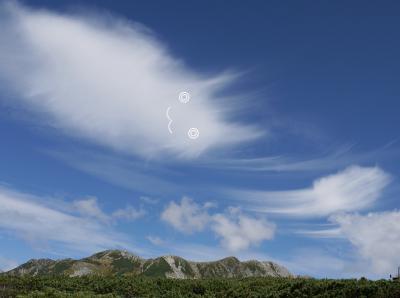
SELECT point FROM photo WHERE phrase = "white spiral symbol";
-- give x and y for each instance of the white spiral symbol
(170, 120)
(193, 133)
(184, 97)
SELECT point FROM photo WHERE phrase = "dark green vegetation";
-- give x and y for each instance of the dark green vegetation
(125, 286)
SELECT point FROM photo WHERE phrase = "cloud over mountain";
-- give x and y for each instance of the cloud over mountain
(236, 230)
(34, 220)
(375, 236)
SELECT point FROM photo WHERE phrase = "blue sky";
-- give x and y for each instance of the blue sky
(297, 110)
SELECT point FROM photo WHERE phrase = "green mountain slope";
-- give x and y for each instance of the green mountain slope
(117, 262)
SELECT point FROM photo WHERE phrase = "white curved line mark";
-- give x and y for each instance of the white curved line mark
(170, 120)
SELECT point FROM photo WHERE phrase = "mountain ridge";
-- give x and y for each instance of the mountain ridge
(121, 262)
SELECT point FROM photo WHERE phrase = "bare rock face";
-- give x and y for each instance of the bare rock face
(34, 267)
(117, 262)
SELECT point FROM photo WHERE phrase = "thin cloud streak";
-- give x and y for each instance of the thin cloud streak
(325, 233)
(337, 159)
(355, 188)
(126, 173)
(29, 218)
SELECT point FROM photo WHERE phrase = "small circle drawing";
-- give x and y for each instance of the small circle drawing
(193, 133)
(184, 97)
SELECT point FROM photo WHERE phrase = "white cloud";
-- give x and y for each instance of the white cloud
(129, 213)
(110, 81)
(352, 189)
(376, 237)
(236, 230)
(186, 216)
(89, 207)
(239, 232)
(26, 216)
(325, 233)
(155, 240)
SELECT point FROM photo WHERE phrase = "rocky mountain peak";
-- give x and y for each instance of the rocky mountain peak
(120, 262)
(113, 254)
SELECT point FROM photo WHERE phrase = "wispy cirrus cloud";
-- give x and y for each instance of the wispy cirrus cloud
(110, 81)
(30, 218)
(294, 165)
(155, 240)
(281, 163)
(352, 189)
(321, 233)
(127, 173)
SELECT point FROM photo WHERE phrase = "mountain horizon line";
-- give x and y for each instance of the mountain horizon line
(123, 262)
